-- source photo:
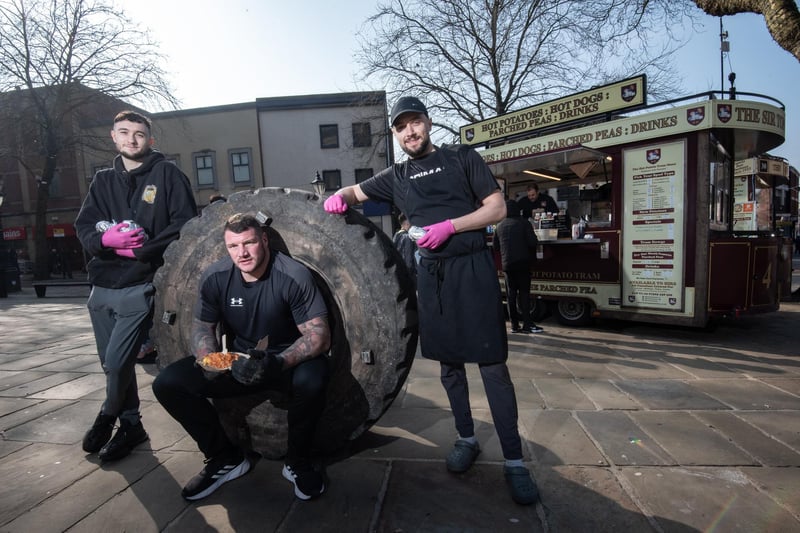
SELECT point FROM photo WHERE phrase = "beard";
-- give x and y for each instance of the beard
(138, 155)
(420, 151)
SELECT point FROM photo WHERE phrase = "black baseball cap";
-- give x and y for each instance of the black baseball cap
(408, 104)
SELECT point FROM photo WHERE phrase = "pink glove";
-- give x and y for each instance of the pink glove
(116, 237)
(125, 252)
(437, 234)
(335, 204)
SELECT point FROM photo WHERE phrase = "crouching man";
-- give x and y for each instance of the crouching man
(256, 293)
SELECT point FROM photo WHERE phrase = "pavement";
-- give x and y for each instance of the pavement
(626, 427)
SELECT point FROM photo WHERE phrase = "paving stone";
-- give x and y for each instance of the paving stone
(782, 426)
(39, 384)
(8, 447)
(621, 440)
(66, 425)
(767, 450)
(82, 497)
(79, 387)
(690, 441)
(27, 414)
(699, 367)
(556, 438)
(76, 363)
(605, 395)
(790, 385)
(421, 498)
(423, 433)
(667, 394)
(747, 394)
(649, 368)
(349, 503)
(10, 379)
(707, 499)
(589, 369)
(780, 484)
(11, 405)
(578, 498)
(562, 394)
(536, 366)
(38, 471)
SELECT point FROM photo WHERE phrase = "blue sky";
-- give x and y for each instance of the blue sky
(240, 50)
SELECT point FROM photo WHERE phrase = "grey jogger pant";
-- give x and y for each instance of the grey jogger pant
(120, 319)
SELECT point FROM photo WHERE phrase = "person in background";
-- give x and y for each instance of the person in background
(406, 246)
(515, 240)
(133, 211)
(450, 193)
(255, 294)
(534, 201)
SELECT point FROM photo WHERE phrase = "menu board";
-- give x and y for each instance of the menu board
(653, 236)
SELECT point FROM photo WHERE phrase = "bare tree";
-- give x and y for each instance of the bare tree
(61, 63)
(472, 59)
(781, 16)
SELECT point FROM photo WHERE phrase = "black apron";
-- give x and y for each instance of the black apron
(460, 306)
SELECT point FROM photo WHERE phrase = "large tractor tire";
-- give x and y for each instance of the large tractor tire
(370, 297)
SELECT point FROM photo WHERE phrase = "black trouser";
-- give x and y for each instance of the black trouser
(183, 390)
(502, 403)
(518, 294)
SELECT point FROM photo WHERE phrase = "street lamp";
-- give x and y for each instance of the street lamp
(3, 261)
(319, 185)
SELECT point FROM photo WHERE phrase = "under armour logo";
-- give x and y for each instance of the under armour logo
(237, 302)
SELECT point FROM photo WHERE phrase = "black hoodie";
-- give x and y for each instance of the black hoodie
(156, 195)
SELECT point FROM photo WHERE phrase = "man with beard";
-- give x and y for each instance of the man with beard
(254, 294)
(450, 193)
(133, 211)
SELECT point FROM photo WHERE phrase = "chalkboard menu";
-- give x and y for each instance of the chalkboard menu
(564, 226)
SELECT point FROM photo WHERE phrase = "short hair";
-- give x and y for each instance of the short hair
(133, 116)
(241, 222)
(533, 187)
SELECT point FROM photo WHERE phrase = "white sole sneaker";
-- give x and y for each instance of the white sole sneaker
(236, 472)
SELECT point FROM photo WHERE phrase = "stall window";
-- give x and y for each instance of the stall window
(720, 190)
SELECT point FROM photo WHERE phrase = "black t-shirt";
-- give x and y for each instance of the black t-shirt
(543, 202)
(285, 296)
(448, 183)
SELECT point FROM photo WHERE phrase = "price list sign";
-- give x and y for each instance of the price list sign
(653, 236)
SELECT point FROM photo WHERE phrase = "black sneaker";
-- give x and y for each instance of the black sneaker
(308, 483)
(99, 433)
(127, 437)
(515, 328)
(533, 329)
(217, 471)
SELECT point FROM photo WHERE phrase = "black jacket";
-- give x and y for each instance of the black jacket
(156, 195)
(515, 239)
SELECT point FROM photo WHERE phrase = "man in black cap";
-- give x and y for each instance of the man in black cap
(450, 193)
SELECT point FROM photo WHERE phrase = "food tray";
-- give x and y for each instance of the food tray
(226, 355)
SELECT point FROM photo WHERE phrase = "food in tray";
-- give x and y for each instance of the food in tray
(219, 360)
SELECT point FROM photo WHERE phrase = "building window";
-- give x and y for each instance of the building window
(362, 134)
(333, 179)
(241, 167)
(204, 169)
(363, 174)
(174, 159)
(329, 136)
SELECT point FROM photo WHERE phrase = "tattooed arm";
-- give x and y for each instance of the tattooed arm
(204, 338)
(316, 339)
